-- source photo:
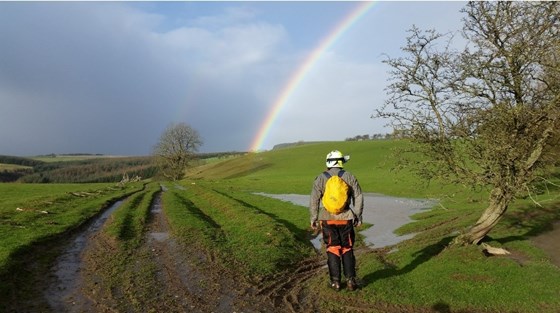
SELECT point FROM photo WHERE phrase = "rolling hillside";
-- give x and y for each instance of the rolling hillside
(293, 169)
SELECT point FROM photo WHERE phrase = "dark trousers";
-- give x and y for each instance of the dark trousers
(338, 237)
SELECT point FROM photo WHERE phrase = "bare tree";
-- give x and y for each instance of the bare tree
(176, 148)
(486, 115)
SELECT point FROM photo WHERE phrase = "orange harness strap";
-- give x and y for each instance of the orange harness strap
(338, 222)
(334, 250)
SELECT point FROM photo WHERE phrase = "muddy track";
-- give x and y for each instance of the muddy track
(164, 274)
(193, 273)
(167, 275)
(288, 289)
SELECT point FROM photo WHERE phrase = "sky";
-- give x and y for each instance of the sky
(110, 77)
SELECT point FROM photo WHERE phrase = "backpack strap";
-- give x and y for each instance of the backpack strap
(328, 175)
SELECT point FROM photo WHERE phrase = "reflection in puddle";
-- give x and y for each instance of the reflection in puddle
(159, 236)
(69, 263)
(156, 209)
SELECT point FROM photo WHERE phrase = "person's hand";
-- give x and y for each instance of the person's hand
(357, 222)
(314, 225)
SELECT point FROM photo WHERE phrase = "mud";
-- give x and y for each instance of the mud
(61, 292)
(167, 275)
(550, 243)
(202, 286)
(386, 214)
(180, 272)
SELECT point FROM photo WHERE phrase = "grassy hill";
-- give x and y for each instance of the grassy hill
(293, 169)
(422, 274)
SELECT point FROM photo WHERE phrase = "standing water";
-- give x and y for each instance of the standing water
(60, 293)
(386, 213)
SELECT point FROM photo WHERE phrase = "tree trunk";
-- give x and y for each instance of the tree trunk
(498, 204)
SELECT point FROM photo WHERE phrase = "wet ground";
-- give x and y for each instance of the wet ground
(164, 276)
(550, 243)
(62, 292)
(170, 276)
(389, 213)
(385, 213)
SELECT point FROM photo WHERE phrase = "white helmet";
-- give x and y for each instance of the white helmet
(336, 159)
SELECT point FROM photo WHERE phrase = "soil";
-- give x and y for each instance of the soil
(549, 242)
(166, 276)
(172, 276)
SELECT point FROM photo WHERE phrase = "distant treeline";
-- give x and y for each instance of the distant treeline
(54, 155)
(12, 175)
(7, 159)
(99, 170)
(91, 170)
(211, 155)
(370, 137)
(95, 170)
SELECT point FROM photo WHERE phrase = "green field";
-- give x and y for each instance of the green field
(69, 158)
(216, 207)
(423, 273)
(33, 213)
(12, 167)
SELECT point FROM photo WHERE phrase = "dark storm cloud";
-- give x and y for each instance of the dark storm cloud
(94, 77)
(109, 77)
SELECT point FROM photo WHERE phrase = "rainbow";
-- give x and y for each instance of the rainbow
(303, 69)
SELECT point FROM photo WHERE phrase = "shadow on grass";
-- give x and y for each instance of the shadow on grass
(535, 221)
(251, 170)
(442, 307)
(301, 234)
(211, 230)
(127, 227)
(198, 213)
(421, 256)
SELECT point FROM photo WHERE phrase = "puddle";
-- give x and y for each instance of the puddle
(156, 210)
(68, 264)
(179, 187)
(386, 213)
(159, 236)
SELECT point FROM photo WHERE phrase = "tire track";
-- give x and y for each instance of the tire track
(288, 289)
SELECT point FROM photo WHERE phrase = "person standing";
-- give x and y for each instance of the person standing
(337, 225)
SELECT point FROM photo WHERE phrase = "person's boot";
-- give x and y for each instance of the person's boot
(333, 262)
(335, 284)
(352, 284)
(349, 265)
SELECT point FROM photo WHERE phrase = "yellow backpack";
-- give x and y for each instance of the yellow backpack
(335, 197)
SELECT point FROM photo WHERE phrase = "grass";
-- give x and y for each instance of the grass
(32, 215)
(48, 210)
(127, 223)
(257, 235)
(423, 273)
(12, 167)
(292, 170)
(67, 158)
(122, 262)
(216, 208)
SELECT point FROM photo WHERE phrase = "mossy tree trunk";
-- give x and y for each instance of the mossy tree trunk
(487, 116)
(498, 205)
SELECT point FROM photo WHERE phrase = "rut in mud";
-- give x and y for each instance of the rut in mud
(164, 275)
(190, 275)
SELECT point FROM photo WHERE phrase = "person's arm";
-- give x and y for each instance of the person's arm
(358, 200)
(314, 203)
